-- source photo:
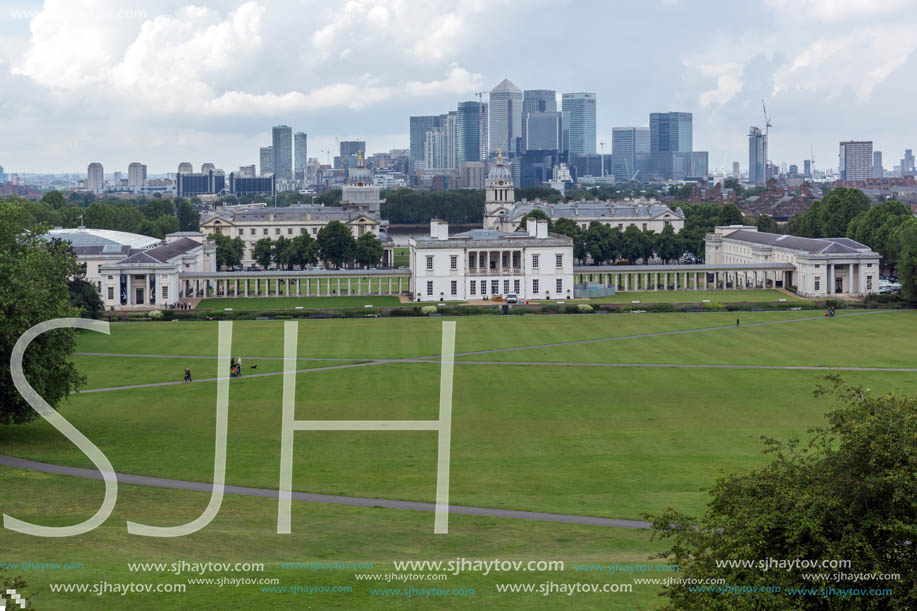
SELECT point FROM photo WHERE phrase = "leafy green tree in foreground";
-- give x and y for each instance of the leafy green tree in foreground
(85, 296)
(336, 244)
(849, 494)
(368, 249)
(263, 252)
(34, 289)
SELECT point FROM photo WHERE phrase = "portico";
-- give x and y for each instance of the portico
(686, 277)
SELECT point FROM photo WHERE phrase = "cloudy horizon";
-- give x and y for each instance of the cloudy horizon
(171, 81)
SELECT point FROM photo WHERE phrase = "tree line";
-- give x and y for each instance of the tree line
(334, 245)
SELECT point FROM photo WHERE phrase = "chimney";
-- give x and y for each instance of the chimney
(531, 227)
(541, 230)
(439, 229)
(271, 216)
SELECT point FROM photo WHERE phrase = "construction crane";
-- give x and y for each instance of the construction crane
(767, 126)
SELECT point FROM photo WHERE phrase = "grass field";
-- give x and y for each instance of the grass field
(723, 296)
(289, 303)
(401, 257)
(531, 430)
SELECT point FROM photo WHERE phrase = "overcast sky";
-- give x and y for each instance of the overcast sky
(206, 81)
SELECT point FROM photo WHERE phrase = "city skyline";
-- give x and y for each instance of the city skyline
(366, 77)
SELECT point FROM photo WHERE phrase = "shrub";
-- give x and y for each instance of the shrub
(155, 314)
(584, 308)
(428, 309)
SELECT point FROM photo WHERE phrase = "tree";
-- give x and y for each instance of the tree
(647, 244)
(737, 187)
(229, 251)
(631, 245)
(263, 252)
(830, 216)
(904, 242)
(766, 224)
(335, 243)
(35, 289)
(54, 199)
(568, 227)
(847, 494)
(730, 215)
(368, 249)
(547, 194)
(303, 251)
(602, 242)
(536, 214)
(282, 252)
(668, 245)
(157, 208)
(876, 226)
(188, 219)
(85, 297)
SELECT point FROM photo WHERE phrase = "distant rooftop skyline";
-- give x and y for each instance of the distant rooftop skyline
(175, 82)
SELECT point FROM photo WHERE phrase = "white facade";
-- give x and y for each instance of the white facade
(824, 267)
(484, 263)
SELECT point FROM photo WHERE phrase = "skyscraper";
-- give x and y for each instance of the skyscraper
(756, 159)
(95, 178)
(581, 107)
(136, 175)
(855, 160)
(907, 163)
(2, 177)
(283, 152)
(543, 131)
(266, 160)
(736, 169)
(505, 117)
(671, 132)
(807, 167)
(185, 167)
(300, 155)
(207, 167)
(537, 100)
(470, 119)
(419, 126)
(630, 148)
(877, 171)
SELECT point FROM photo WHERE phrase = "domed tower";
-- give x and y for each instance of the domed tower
(500, 196)
(360, 194)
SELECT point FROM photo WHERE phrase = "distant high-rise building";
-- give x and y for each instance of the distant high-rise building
(470, 132)
(247, 171)
(95, 178)
(435, 149)
(283, 152)
(419, 126)
(855, 160)
(756, 160)
(907, 163)
(736, 169)
(207, 167)
(877, 171)
(266, 159)
(300, 157)
(136, 175)
(807, 167)
(630, 148)
(543, 131)
(505, 117)
(671, 132)
(185, 167)
(351, 148)
(537, 100)
(581, 125)
(2, 175)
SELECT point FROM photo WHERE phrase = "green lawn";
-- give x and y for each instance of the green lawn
(588, 440)
(290, 303)
(689, 296)
(402, 257)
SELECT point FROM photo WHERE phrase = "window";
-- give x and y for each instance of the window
(504, 260)
(241, 231)
(558, 260)
(314, 230)
(453, 289)
(111, 293)
(430, 262)
(817, 283)
(302, 230)
(505, 286)
(868, 283)
(620, 225)
(165, 292)
(494, 287)
(453, 262)
(264, 231)
(535, 286)
(869, 265)
(560, 286)
(535, 261)
(276, 230)
(99, 270)
(472, 287)
(251, 231)
(515, 286)
(471, 260)
(429, 287)
(817, 266)
(289, 231)
(218, 229)
(483, 287)
(644, 226)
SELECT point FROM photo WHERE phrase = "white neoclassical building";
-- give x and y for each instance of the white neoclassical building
(823, 267)
(503, 213)
(483, 263)
(153, 277)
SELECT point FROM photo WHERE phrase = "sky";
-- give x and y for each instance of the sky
(165, 81)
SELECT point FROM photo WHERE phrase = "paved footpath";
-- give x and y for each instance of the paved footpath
(140, 480)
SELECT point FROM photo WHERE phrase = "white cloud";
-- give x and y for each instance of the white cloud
(728, 83)
(835, 10)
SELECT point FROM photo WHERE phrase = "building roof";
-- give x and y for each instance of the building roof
(593, 209)
(812, 246)
(162, 254)
(291, 214)
(102, 241)
(492, 235)
(506, 85)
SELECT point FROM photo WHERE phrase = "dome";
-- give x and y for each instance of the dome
(360, 176)
(500, 174)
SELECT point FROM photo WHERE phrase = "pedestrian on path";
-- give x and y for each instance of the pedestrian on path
(187, 375)
(737, 322)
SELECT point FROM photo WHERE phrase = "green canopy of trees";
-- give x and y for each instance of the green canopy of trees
(848, 494)
(35, 289)
(829, 216)
(407, 206)
(336, 244)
